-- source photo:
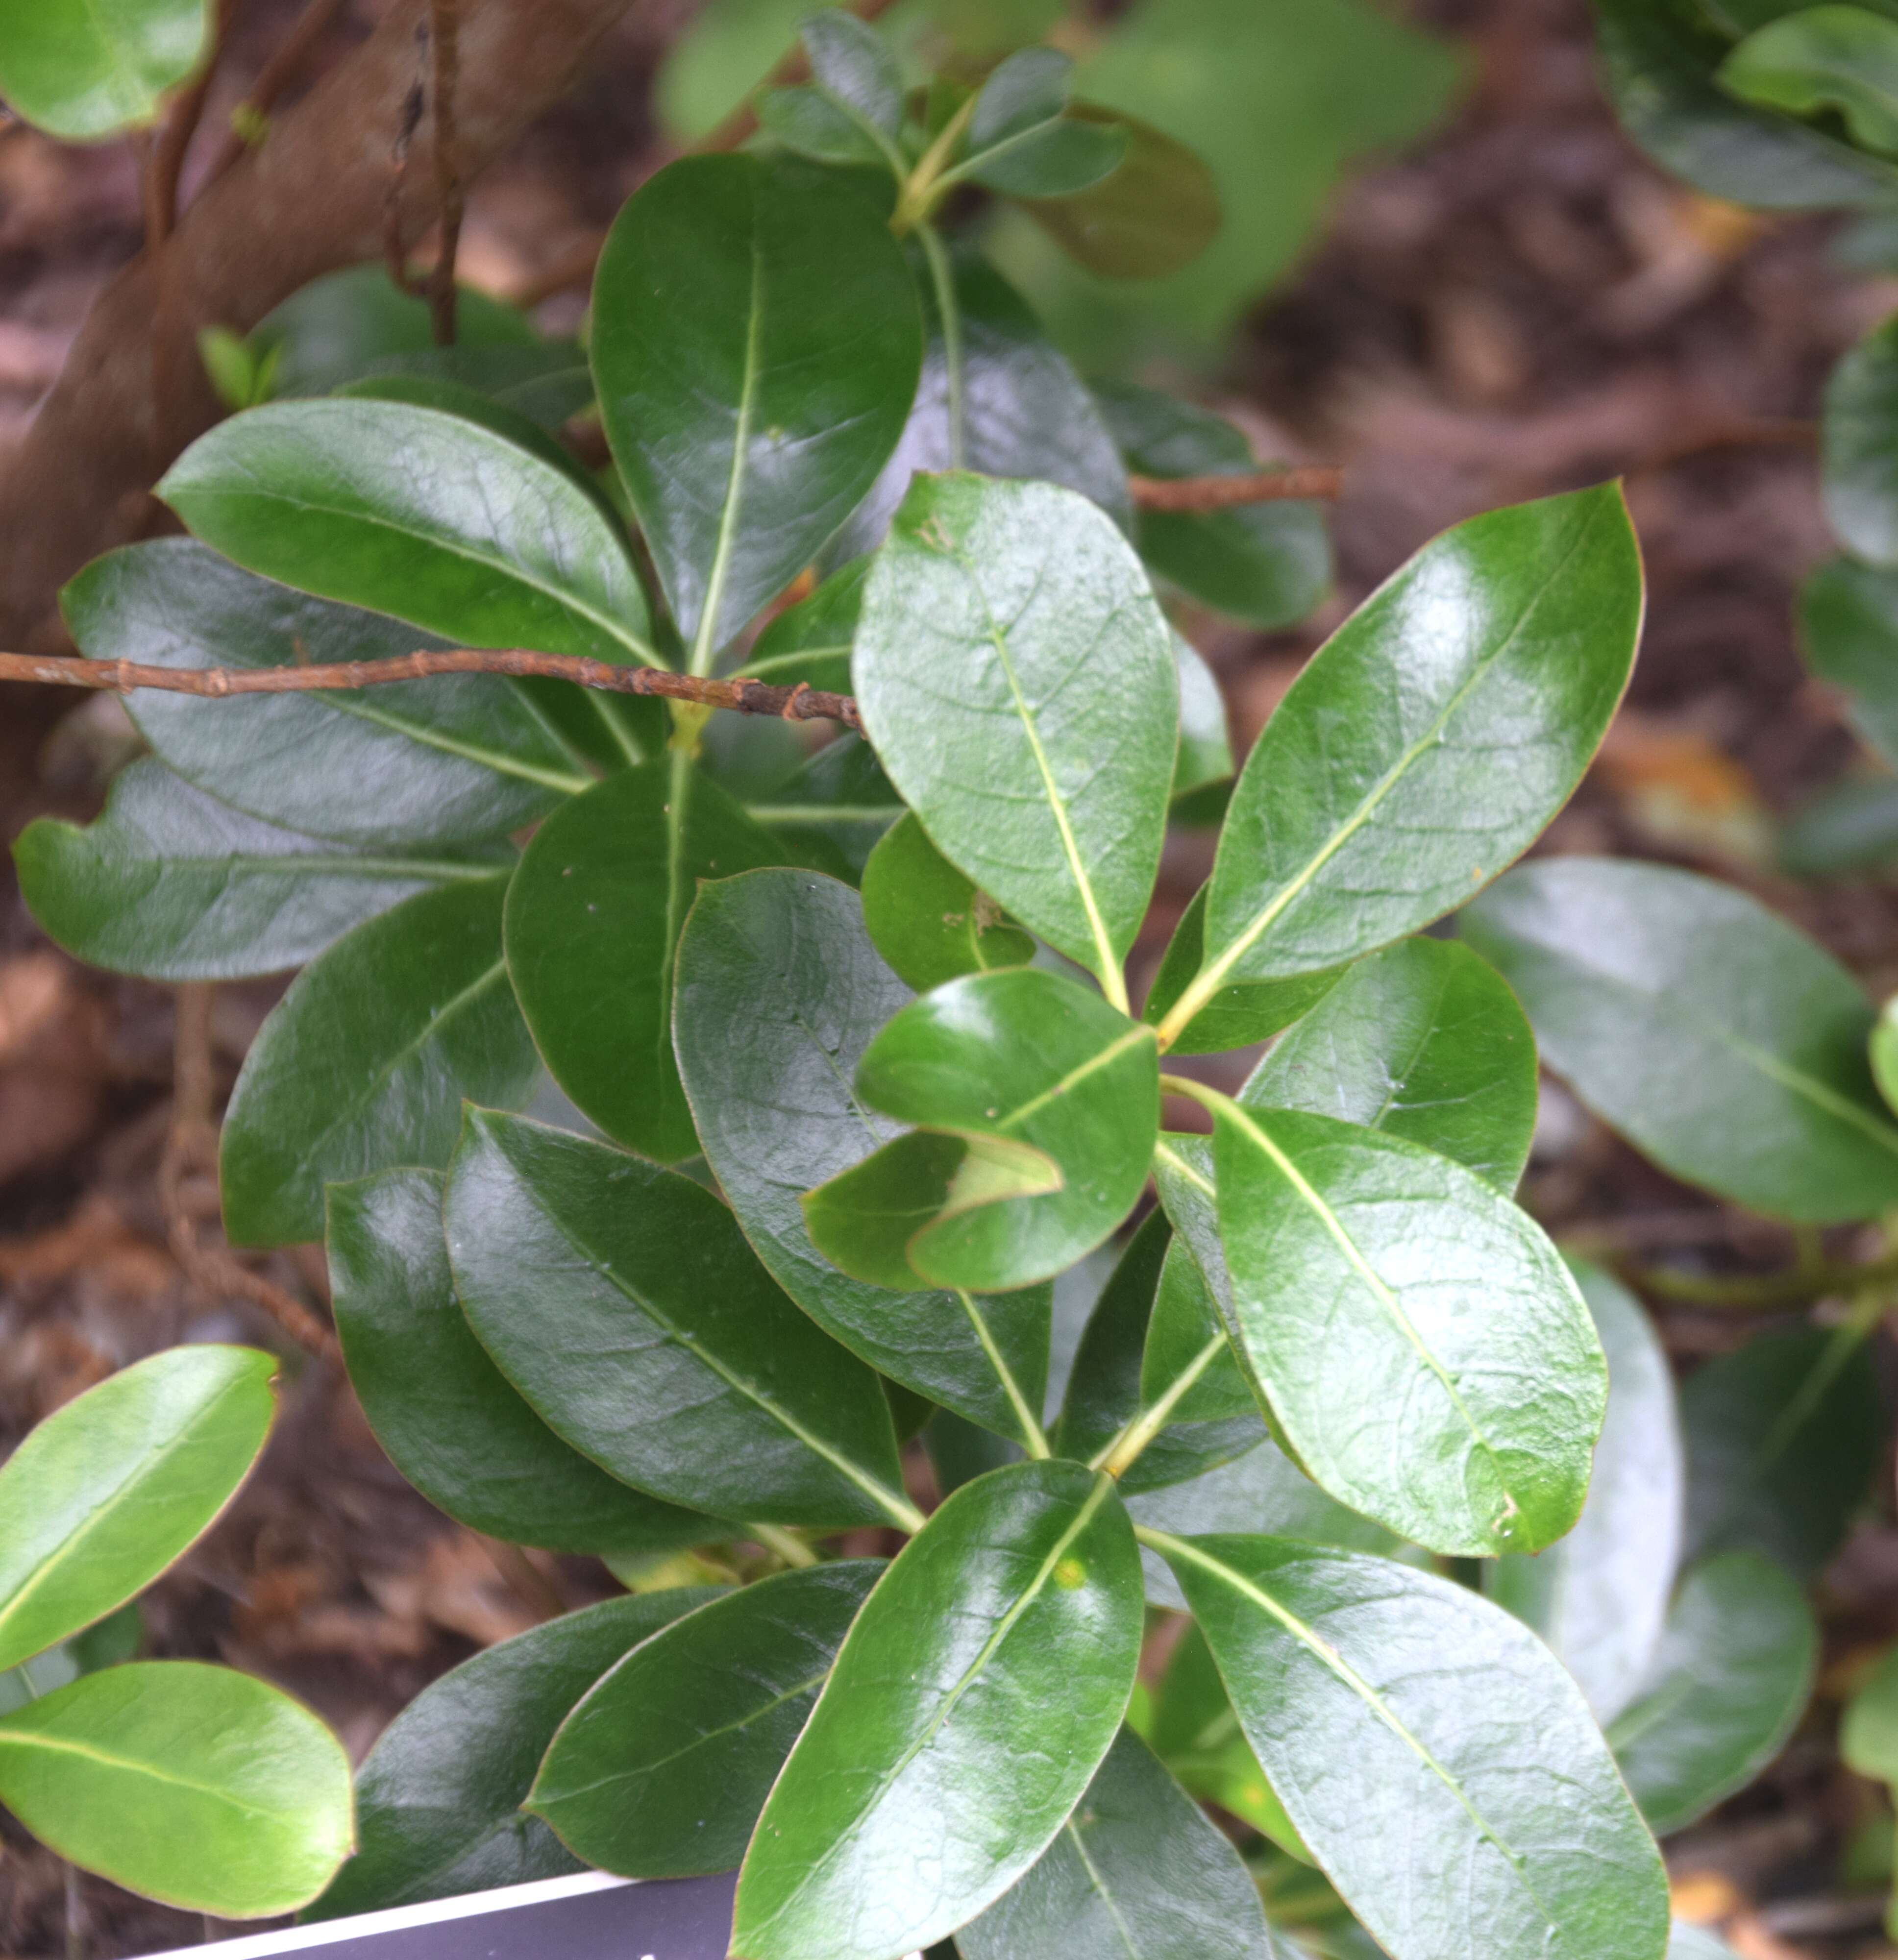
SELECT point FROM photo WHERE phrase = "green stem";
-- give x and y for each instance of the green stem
(919, 196)
(1797, 1285)
(793, 1550)
(1120, 1454)
(949, 311)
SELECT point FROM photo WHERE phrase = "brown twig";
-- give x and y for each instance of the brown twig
(165, 165)
(273, 79)
(445, 26)
(1202, 494)
(191, 1146)
(395, 251)
(800, 703)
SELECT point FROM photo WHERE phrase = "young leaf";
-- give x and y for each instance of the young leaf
(660, 1771)
(418, 514)
(1266, 564)
(1366, 810)
(623, 1302)
(1019, 1058)
(1138, 1868)
(1784, 1437)
(1421, 1041)
(1599, 1597)
(107, 1491)
(853, 113)
(1429, 1749)
(1849, 633)
(779, 993)
(458, 757)
(1022, 1592)
(1838, 58)
(82, 72)
(1861, 445)
(1731, 1678)
(1017, 678)
(1417, 1336)
(448, 1418)
(1721, 1041)
(365, 1062)
(1237, 1014)
(756, 341)
(927, 920)
(197, 1786)
(593, 921)
(171, 884)
(438, 1798)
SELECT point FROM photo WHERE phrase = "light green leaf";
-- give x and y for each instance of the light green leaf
(928, 922)
(1838, 58)
(1868, 1735)
(85, 69)
(1859, 432)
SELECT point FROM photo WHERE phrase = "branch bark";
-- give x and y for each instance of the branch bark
(309, 202)
(1199, 494)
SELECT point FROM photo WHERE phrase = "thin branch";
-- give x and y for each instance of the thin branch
(395, 252)
(1201, 494)
(165, 165)
(273, 79)
(445, 25)
(800, 703)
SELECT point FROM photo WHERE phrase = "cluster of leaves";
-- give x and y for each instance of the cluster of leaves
(198, 1785)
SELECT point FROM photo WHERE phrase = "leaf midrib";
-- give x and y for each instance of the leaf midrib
(12, 1737)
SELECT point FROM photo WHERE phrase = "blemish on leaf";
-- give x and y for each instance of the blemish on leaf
(1069, 1573)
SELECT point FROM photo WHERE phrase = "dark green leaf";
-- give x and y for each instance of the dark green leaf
(1861, 436)
(439, 1795)
(813, 124)
(1599, 1596)
(1021, 141)
(853, 113)
(1844, 58)
(927, 920)
(447, 1415)
(756, 341)
(1732, 1677)
(1719, 1040)
(1850, 827)
(107, 1492)
(428, 761)
(1419, 1338)
(171, 884)
(780, 992)
(1421, 1041)
(1187, 1320)
(1784, 1437)
(198, 1786)
(1660, 58)
(82, 71)
(1048, 789)
(811, 641)
(1849, 633)
(835, 804)
(418, 514)
(623, 1302)
(1238, 1013)
(1430, 1750)
(593, 922)
(1138, 1869)
(365, 1062)
(1020, 1057)
(548, 382)
(1266, 564)
(1021, 1593)
(1366, 810)
(662, 1771)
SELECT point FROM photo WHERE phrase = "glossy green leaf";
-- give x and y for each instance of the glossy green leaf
(1021, 1593)
(1882, 1048)
(1022, 409)
(1719, 1040)
(103, 1495)
(812, 123)
(195, 1785)
(171, 884)
(1239, 1013)
(927, 920)
(836, 801)
(1266, 564)
(852, 111)
(623, 1302)
(1868, 1734)
(1660, 58)
(1138, 1869)
(1421, 1041)
(1784, 1437)
(1432, 1753)
(662, 1769)
(1860, 433)
(1599, 1596)
(429, 762)
(756, 341)
(447, 1416)
(1365, 810)
(1417, 1337)
(1205, 736)
(547, 381)
(1732, 1677)
(811, 641)
(1020, 140)
(1049, 791)
(780, 991)
(1024, 1057)
(438, 1797)
(366, 1061)
(593, 923)
(418, 514)
(83, 70)
(1837, 58)
(1848, 634)
(1187, 1320)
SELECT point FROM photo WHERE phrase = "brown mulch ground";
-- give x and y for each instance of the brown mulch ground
(1522, 306)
